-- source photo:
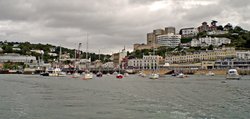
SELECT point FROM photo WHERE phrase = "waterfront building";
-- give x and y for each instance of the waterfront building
(12, 57)
(188, 32)
(243, 55)
(169, 40)
(147, 62)
(209, 55)
(226, 64)
(206, 41)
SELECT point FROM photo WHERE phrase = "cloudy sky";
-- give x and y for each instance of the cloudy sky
(111, 24)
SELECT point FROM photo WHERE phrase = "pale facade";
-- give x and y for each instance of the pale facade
(169, 40)
(211, 55)
(188, 32)
(206, 41)
(147, 62)
(244, 55)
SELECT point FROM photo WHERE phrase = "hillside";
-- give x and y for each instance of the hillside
(24, 48)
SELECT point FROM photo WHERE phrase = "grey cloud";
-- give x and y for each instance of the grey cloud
(110, 23)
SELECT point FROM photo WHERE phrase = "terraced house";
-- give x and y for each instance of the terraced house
(209, 55)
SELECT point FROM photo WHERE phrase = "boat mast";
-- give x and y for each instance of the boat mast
(87, 47)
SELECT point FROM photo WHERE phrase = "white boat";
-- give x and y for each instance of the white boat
(76, 75)
(126, 74)
(108, 74)
(210, 73)
(119, 76)
(233, 74)
(154, 76)
(181, 75)
(87, 75)
(142, 74)
(115, 73)
(56, 72)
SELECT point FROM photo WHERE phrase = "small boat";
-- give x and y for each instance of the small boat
(119, 76)
(87, 75)
(115, 73)
(76, 75)
(56, 72)
(154, 76)
(210, 73)
(45, 74)
(126, 74)
(108, 74)
(233, 74)
(99, 74)
(181, 75)
(142, 74)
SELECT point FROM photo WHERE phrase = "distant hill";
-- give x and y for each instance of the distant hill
(24, 48)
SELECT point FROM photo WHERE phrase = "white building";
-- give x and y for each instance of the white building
(38, 51)
(12, 57)
(169, 40)
(108, 65)
(147, 62)
(188, 32)
(206, 41)
(245, 55)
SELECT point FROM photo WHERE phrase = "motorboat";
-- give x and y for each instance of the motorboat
(76, 75)
(87, 75)
(181, 75)
(233, 74)
(44, 74)
(154, 76)
(119, 76)
(126, 74)
(55, 72)
(210, 73)
(142, 74)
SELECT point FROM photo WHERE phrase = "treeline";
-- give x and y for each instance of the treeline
(24, 48)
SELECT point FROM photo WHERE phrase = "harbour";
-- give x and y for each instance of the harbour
(194, 97)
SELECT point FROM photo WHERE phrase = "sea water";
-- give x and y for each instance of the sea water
(133, 97)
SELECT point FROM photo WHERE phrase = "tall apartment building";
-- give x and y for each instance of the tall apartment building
(151, 37)
(170, 30)
(210, 55)
(169, 40)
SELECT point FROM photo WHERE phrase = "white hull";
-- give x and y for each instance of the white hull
(76, 75)
(87, 76)
(233, 74)
(233, 77)
(154, 76)
(56, 75)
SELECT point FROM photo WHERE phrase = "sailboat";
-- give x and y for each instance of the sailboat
(99, 73)
(154, 75)
(77, 58)
(87, 74)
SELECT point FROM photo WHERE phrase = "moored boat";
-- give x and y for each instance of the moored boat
(154, 76)
(233, 74)
(210, 73)
(119, 76)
